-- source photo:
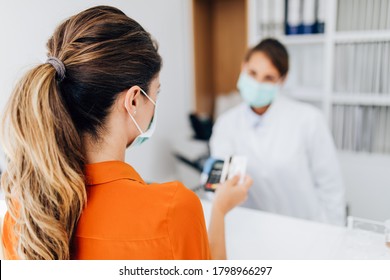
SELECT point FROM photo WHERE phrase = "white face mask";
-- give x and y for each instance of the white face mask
(254, 93)
(143, 136)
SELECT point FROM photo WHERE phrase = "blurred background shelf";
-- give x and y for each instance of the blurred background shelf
(361, 99)
(362, 36)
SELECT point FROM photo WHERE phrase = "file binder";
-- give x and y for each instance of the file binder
(294, 17)
(309, 16)
(320, 18)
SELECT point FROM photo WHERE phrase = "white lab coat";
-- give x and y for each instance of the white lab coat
(291, 158)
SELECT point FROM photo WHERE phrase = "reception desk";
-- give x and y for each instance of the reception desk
(257, 235)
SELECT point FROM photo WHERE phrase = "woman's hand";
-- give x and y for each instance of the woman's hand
(227, 196)
(230, 194)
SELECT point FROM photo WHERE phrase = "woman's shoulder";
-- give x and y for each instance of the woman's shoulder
(181, 196)
(180, 201)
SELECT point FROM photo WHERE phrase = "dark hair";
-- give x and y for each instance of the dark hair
(275, 51)
(104, 52)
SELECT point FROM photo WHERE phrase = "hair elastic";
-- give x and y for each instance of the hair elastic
(59, 66)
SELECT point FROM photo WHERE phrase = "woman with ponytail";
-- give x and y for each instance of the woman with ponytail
(65, 131)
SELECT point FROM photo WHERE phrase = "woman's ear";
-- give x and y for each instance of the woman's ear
(132, 99)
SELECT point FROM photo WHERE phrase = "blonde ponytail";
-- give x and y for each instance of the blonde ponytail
(43, 182)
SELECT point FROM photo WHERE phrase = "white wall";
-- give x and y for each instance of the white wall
(25, 27)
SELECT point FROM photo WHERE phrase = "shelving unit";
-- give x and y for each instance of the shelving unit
(323, 61)
(365, 165)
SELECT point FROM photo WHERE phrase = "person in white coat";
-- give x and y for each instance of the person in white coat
(291, 154)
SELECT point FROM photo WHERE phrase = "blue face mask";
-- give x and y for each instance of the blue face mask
(254, 93)
(143, 136)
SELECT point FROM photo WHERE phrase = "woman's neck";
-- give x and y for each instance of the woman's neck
(105, 149)
(260, 111)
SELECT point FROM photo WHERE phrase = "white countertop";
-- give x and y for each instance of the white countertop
(253, 234)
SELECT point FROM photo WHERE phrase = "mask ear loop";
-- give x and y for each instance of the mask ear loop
(150, 99)
(136, 124)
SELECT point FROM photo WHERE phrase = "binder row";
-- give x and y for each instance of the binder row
(289, 17)
(361, 128)
(362, 68)
(270, 17)
(363, 15)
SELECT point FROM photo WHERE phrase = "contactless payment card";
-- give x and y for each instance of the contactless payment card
(216, 171)
(234, 165)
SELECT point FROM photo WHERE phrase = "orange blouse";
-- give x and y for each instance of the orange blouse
(125, 218)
